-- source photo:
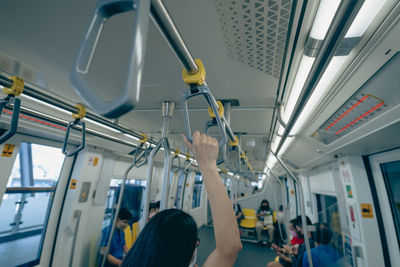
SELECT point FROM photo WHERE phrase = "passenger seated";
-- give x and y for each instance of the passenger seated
(323, 254)
(265, 219)
(118, 246)
(292, 256)
(170, 236)
(154, 208)
(239, 213)
(296, 238)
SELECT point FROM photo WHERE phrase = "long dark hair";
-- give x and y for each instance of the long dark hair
(262, 207)
(168, 239)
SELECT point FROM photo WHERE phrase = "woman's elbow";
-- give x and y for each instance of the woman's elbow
(235, 248)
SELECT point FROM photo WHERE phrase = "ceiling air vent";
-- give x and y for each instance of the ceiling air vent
(255, 31)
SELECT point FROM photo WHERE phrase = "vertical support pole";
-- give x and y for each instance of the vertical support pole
(302, 210)
(284, 200)
(118, 207)
(168, 111)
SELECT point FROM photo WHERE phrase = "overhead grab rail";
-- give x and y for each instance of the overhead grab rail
(141, 152)
(341, 22)
(302, 210)
(167, 110)
(193, 73)
(11, 87)
(43, 95)
(126, 101)
(78, 121)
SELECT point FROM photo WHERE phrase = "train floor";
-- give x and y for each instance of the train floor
(251, 254)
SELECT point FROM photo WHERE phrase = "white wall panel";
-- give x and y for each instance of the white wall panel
(321, 180)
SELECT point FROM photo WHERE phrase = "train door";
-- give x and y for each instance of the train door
(33, 176)
(385, 169)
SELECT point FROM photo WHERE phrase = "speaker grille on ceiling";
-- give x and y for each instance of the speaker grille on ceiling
(255, 31)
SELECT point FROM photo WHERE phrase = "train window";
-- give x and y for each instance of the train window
(326, 205)
(391, 174)
(26, 203)
(197, 188)
(131, 200)
(335, 244)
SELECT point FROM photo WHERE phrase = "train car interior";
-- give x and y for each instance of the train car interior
(302, 96)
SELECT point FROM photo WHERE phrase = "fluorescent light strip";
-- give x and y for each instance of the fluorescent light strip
(326, 12)
(364, 18)
(301, 76)
(319, 92)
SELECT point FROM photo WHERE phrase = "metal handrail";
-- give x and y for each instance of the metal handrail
(57, 101)
(168, 109)
(44, 96)
(30, 189)
(118, 207)
(168, 29)
(341, 22)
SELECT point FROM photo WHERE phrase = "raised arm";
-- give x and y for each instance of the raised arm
(227, 238)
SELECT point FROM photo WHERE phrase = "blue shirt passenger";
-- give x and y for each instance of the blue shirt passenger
(117, 242)
(323, 255)
(117, 245)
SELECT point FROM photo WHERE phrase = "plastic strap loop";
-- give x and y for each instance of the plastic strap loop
(175, 158)
(74, 124)
(210, 124)
(125, 101)
(203, 91)
(16, 103)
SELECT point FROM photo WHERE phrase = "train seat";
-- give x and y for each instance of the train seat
(250, 218)
(131, 234)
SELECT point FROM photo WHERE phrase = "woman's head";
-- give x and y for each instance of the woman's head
(168, 239)
(264, 205)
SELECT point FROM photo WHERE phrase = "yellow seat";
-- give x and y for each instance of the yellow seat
(250, 218)
(131, 234)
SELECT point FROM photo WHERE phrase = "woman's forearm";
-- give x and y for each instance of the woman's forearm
(226, 230)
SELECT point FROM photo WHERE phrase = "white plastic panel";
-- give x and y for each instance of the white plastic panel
(321, 181)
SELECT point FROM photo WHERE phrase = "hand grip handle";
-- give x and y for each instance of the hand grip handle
(210, 124)
(16, 102)
(129, 97)
(204, 91)
(82, 145)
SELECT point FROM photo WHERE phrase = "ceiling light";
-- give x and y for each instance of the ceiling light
(326, 12)
(364, 18)
(301, 76)
(319, 92)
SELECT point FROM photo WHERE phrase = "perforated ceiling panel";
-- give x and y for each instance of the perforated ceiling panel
(255, 31)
